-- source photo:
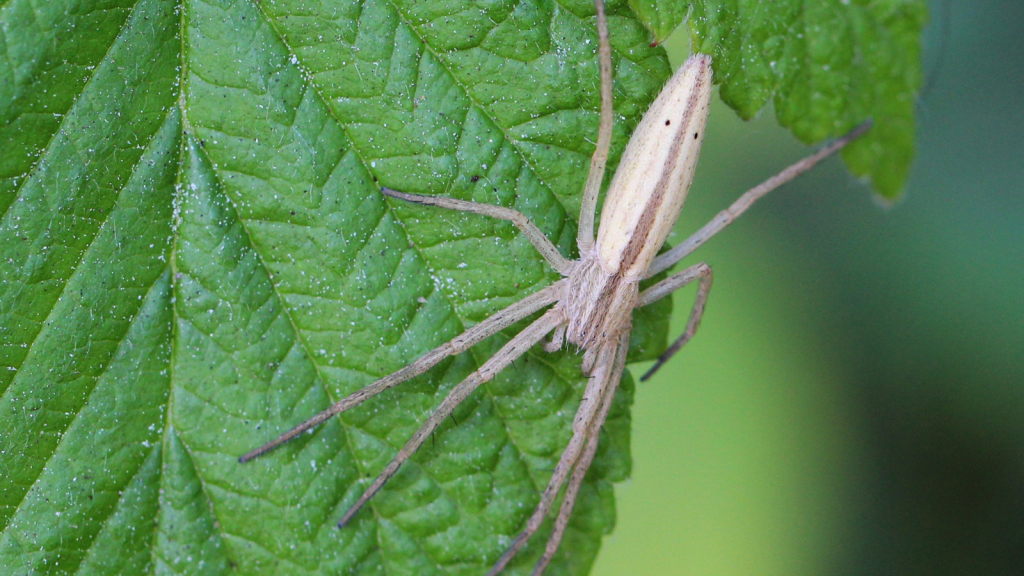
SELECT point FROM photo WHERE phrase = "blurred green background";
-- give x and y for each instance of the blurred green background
(854, 401)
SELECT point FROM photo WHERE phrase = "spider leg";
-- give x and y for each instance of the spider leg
(726, 217)
(557, 339)
(492, 325)
(585, 233)
(517, 346)
(548, 250)
(580, 472)
(589, 361)
(700, 272)
(590, 406)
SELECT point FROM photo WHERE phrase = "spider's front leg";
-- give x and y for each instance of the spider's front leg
(725, 217)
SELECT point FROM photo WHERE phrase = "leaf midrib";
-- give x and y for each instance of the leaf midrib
(286, 310)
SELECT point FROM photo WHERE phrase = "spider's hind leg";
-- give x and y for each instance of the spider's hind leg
(586, 425)
(580, 472)
(548, 250)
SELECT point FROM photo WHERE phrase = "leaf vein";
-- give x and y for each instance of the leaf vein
(74, 103)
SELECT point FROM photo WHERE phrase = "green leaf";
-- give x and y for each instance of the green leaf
(195, 256)
(825, 65)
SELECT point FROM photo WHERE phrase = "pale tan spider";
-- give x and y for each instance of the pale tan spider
(594, 301)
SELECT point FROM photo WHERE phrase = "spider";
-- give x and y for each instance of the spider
(591, 306)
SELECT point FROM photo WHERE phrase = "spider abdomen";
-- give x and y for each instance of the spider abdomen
(650, 185)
